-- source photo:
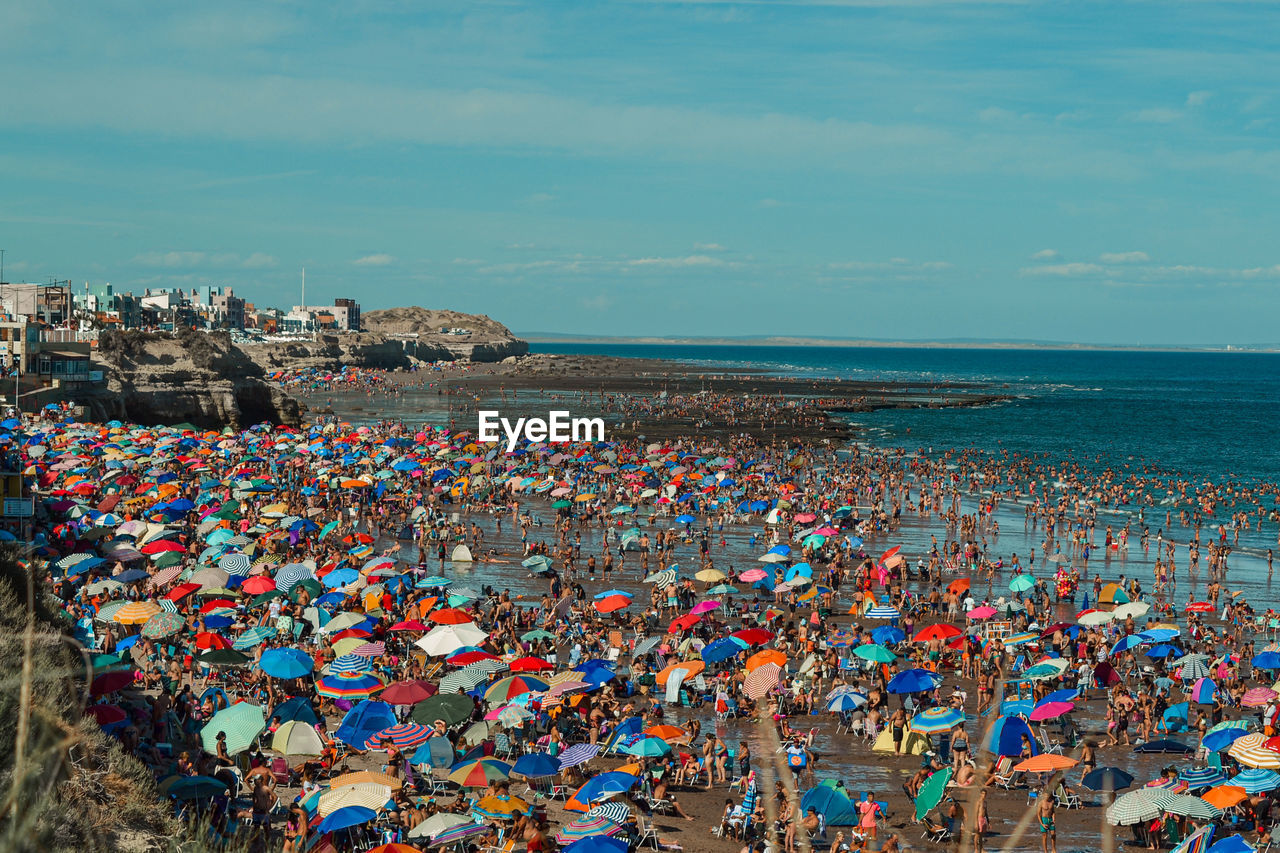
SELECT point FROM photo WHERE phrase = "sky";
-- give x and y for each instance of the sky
(1069, 171)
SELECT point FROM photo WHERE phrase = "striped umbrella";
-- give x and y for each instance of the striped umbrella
(1256, 781)
(1257, 696)
(467, 678)
(586, 827)
(762, 679)
(843, 702)
(163, 625)
(1251, 751)
(936, 720)
(291, 575)
(457, 833)
(883, 611)
(235, 564)
(370, 650)
(72, 560)
(242, 723)
(1205, 777)
(579, 753)
(1021, 639)
(1137, 806)
(402, 735)
(506, 689)
(369, 795)
(617, 812)
(165, 576)
(1194, 666)
(348, 685)
(348, 663)
(136, 613)
(666, 577)
(254, 636)
(1193, 807)
(479, 773)
(168, 606)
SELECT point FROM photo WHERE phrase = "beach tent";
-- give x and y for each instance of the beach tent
(1006, 736)
(461, 554)
(834, 806)
(913, 743)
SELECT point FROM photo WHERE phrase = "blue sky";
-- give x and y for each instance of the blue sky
(1097, 172)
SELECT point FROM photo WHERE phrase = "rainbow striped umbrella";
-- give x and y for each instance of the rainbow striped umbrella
(403, 736)
(506, 689)
(348, 685)
(458, 833)
(479, 773)
(936, 720)
(585, 827)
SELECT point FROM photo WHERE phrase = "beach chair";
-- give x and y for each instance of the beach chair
(646, 834)
(280, 770)
(936, 833)
(1065, 799)
(1048, 744)
(546, 788)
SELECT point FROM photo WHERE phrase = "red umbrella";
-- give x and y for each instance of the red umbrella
(258, 585)
(1199, 607)
(110, 682)
(887, 554)
(613, 603)
(469, 657)
(937, 632)
(408, 692)
(684, 623)
(162, 545)
(351, 632)
(210, 640)
(106, 714)
(217, 604)
(181, 591)
(409, 625)
(531, 664)
(754, 636)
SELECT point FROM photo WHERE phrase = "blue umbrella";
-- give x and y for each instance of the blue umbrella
(339, 577)
(605, 784)
(722, 649)
(685, 519)
(296, 708)
(1158, 635)
(1233, 844)
(286, 663)
(1165, 745)
(1256, 781)
(536, 765)
(1104, 778)
(346, 817)
(1126, 643)
(1263, 660)
(914, 681)
(1205, 777)
(350, 663)
(848, 701)
(436, 752)
(1222, 738)
(597, 844)
(1164, 650)
(1067, 694)
(366, 719)
(887, 635)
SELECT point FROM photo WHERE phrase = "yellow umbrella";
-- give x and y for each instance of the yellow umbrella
(136, 612)
(710, 576)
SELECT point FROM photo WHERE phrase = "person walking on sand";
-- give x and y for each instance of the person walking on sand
(1044, 814)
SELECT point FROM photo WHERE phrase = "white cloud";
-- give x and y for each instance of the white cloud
(378, 260)
(1045, 255)
(170, 259)
(899, 264)
(195, 260)
(1124, 257)
(688, 261)
(1157, 115)
(260, 260)
(1065, 270)
(1198, 99)
(709, 247)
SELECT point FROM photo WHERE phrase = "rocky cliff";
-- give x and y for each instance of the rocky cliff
(196, 377)
(433, 335)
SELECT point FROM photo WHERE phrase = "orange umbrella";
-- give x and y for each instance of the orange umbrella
(671, 734)
(958, 586)
(1045, 762)
(765, 656)
(450, 616)
(1225, 796)
(691, 668)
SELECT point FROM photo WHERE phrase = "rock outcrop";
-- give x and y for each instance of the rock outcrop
(200, 378)
(433, 335)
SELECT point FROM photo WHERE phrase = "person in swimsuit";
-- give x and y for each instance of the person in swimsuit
(1044, 814)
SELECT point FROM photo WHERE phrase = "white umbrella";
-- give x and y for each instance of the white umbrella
(444, 639)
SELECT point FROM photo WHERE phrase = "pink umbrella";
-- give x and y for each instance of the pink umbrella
(805, 517)
(826, 531)
(1052, 710)
(749, 576)
(986, 611)
(704, 607)
(560, 492)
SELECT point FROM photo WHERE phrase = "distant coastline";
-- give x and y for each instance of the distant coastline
(799, 341)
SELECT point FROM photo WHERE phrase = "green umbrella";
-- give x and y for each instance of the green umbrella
(311, 585)
(876, 653)
(242, 723)
(167, 559)
(930, 793)
(163, 625)
(1022, 583)
(562, 504)
(535, 635)
(453, 708)
(101, 661)
(265, 597)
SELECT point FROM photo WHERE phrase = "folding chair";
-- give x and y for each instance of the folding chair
(647, 834)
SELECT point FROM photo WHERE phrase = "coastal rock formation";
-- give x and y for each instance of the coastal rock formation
(195, 377)
(432, 335)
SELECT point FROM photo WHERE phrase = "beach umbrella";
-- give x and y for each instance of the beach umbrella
(1220, 740)
(579, 753)
(536, 765)
(347, 663)
(297, 738)
(723, 649)
(409, 692)
(286, 663)
(1256, 780)
(187, 788)
(348, 685)
(762, 679)
(401, 735)
(445, 639)
(452, 708)
(344, 818)
(1045, 762)
(882, 611)
(163, 625)
(1167, 745)
(1232, 844)
(843, 702)
(1204, 691)
(647, 747)
(467, 678)
(1050, 711)
(936, 719)
(1194, 666)
(914, 681)
(1107, 779)
(501, 807)
(588, 826)
(932, 791)
(665, 577)
(599, 787)
(253, 637)
(439, 822)
(135, 613)
(874, 652)
(1251, 751)
(887, 635)
(1022, 583)
(512, 687)
(1205, 777)
(1046, 669)
(1225, 796)
(1138, 806)
(597, 844)
(1265, 660)
(1258, 696)
(242, 723)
